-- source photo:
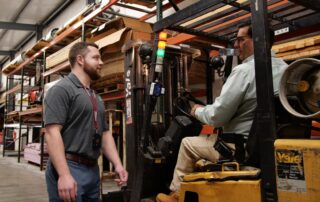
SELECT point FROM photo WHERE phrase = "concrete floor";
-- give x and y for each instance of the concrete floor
(21, 181)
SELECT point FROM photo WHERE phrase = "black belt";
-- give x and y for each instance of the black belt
(81, 160)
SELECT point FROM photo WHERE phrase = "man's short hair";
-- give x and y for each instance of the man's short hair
(79, 48)
(248, 24)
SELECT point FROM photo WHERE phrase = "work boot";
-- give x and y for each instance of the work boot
(172, 197)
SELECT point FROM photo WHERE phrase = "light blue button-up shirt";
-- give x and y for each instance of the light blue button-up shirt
(234, 108)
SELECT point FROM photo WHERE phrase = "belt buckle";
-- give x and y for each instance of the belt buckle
(84, 161)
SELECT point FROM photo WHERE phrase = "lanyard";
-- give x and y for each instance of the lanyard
(94, 103)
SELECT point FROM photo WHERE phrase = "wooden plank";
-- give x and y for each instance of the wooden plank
(38, 46)
(58, 68)
(31, 111)
(59, 56)
(112, 96)
(301, 53)
(67, 32)
(296, 44)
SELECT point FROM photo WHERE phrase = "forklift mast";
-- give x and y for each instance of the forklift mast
(148, 113)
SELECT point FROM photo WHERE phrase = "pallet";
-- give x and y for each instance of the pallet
(110, 88)
(108, 80)
(114, 88)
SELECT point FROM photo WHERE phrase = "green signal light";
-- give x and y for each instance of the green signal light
(160, 53)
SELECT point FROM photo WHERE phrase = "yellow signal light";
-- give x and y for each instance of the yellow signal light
(162, 44)
(163, 36)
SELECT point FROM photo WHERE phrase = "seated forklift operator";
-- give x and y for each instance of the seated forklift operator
(233, 110)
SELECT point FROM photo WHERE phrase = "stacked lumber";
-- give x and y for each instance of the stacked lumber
(307, 47)
(32, 153)
(113, 63)
(32, 115)
(12, 117)
(37, 47)
(15, 63)
(59, 56)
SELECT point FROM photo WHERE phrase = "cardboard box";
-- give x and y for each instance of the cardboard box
(110, 37)
(123, 30)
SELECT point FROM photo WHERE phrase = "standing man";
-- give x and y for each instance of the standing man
(233, 110)
(76, 131)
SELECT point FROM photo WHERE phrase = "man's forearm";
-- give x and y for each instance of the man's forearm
(56, 152)
(109, 149)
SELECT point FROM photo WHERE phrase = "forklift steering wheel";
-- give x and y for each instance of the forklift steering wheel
(183, 104)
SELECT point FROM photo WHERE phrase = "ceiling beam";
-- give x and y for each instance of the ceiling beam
(165, 7)
(306, 21)
(17, 26)
(7, 53)
(311, 4)
(174, 5)
(191, 11)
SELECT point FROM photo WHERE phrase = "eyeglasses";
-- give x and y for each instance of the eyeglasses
(241, 38)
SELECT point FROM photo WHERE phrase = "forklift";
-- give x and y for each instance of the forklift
(151, 126)
(286, 168)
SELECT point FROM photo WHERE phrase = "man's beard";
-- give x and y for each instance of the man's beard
(92, 73)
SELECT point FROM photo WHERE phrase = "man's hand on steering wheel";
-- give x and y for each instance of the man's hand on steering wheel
(194, 107)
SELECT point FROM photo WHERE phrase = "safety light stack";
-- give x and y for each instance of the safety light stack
(156, 87)
(161, 51)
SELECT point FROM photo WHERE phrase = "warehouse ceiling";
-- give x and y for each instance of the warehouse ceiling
(20, 20)
(215, 20)
(218, 20)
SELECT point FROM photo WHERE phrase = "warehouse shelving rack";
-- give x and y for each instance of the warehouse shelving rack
(79, 28)
(21, 119)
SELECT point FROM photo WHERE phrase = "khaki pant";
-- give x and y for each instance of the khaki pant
(191, 150)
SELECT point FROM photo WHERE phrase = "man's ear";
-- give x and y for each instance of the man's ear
(80, 60)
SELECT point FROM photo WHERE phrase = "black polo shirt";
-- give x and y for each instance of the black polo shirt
(68, 104)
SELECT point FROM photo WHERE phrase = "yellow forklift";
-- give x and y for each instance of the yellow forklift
(296, 159)
(279, 170)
